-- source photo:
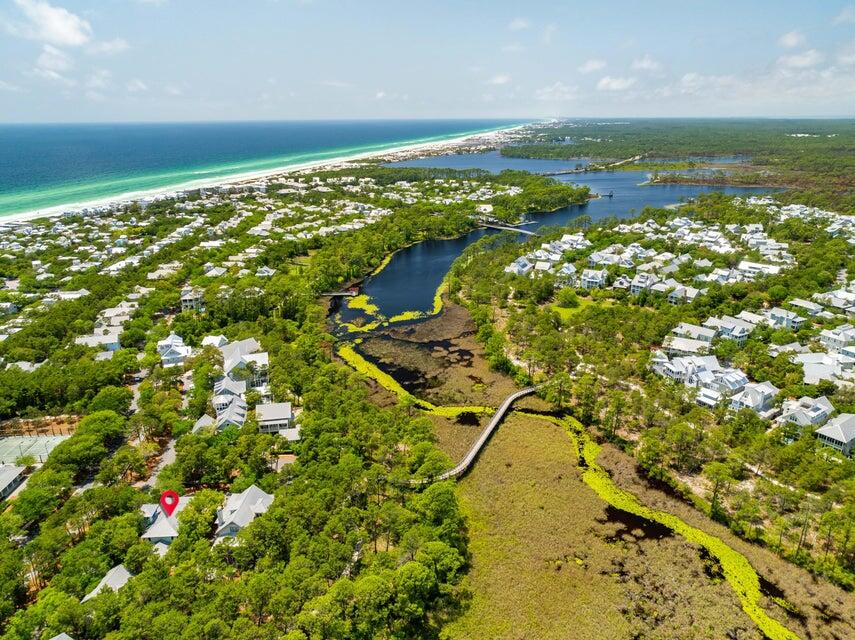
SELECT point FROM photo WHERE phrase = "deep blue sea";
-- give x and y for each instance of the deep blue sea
(49, 165)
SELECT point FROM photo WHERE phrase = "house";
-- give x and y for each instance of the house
(116, 578)
(730, 328)
(783, 319)
(62, 636)
(11, 477)
(567, 273)
(106, 342)
(642, 282)
(240, 509)
(264, 272)
(683, 294)
(274, 417)
(226, 390)
(172, 350)
(233, 415)
(757, 396)
(203, 423)
(806, 411)
(838, 338)
(694, 332)
(621, 282)
(520, 267)
(839, 433)
(215, 341)
(677, 346)
(192, 299)
(245, 360)
(161, 527)
(834, 367)
(594, 279)
(812, 308)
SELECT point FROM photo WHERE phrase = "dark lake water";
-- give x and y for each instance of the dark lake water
(409, 281)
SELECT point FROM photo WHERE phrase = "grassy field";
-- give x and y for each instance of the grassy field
(551, 560)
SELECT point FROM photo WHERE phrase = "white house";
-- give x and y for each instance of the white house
(838, 338)
(783, 319)
(839, 433)
(240, 509)
(274, 417)
(161, 527)
(806, 411)
(694, 332)
(116, 578)
(594, 279)
(172, 350)
(757, 396)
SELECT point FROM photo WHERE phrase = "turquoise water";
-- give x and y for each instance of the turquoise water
(45, 166)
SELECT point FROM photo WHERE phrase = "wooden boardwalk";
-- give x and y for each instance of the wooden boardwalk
(464, 465)
(509, 228)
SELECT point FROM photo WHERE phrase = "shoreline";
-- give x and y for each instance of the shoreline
(488, 137)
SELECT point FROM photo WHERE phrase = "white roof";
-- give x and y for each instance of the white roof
(116, 578)
(840, 428)
(241, 508)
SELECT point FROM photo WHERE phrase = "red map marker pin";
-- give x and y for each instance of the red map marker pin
(168, 502)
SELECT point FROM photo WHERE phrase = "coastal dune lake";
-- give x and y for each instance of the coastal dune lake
(409, 281)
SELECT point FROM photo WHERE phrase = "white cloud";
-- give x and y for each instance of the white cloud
(594, 64)
(110, 47)
(695, 84)
(610, 83)
(556, 92)
(136, 86)
(499, 79)
(846, 15)
(335, 84)
(7, 86)
(99, 80)
(51, 24)
(53, 59)
(94, 96)
(646, 63)
(514, 47)
(847, 54)
(53, 76)
(518, 24)
(792, 40)
(173, 90)
(549, 32)
(804, 60)
(379, 95)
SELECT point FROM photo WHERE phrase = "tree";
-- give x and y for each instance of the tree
(117, 399)
(721, 478)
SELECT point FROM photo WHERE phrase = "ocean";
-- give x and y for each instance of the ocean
(50, 165)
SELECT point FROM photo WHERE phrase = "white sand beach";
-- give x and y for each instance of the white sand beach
(405, 151)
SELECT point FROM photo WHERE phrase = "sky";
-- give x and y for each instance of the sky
(177, 60)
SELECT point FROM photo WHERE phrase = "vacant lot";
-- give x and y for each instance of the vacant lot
(551, 560)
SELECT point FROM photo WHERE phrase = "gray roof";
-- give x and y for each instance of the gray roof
(273, 412)
(8, 474)
(841, 428)
(116, 578)
(241, 508)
